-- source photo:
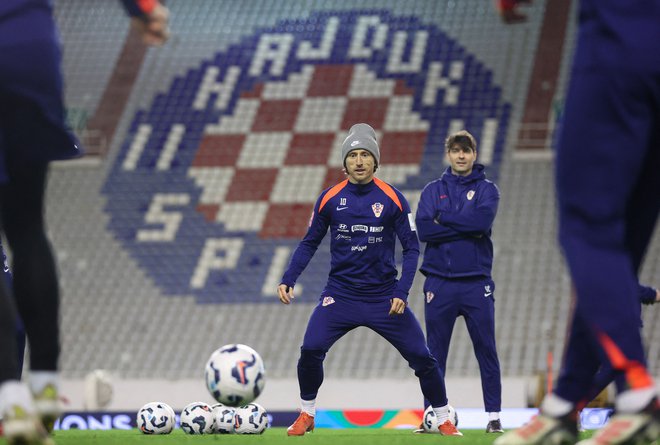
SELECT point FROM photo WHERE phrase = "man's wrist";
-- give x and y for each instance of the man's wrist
(400, 295)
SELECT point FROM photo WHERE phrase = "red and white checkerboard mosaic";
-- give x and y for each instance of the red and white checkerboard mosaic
(270, 160)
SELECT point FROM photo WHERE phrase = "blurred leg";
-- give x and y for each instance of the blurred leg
(35, 279)
(603, 150)
(8, 364)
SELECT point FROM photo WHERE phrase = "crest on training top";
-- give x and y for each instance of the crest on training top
(212, 188)
(377, 207)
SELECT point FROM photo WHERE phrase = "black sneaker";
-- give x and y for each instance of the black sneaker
(625, 429)
(494, 426)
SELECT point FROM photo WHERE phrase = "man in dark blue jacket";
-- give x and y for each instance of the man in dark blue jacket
(33, 132)
(455, 217)
(365, 216)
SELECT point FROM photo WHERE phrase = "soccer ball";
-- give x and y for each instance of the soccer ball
(155, 418)
(430, 421)
(224, 418)
(250, 419)
(197, 418)
(235, 375)
(171, 412)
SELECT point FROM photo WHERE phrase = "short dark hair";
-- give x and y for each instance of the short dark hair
(462, 138)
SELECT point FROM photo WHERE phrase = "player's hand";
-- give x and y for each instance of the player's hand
(285, 293)
(153, 26)
(398, 306)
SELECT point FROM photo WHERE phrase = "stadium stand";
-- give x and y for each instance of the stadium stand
(126, 307)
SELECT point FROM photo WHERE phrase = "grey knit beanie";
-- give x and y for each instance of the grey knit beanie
(361, 136)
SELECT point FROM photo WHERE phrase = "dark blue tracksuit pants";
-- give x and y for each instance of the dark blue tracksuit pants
(608, 188)
(330, 322)
(473, 299)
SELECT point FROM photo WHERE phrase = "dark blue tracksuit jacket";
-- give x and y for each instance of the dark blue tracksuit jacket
(32, 114)
(454, 217)
(364, 221)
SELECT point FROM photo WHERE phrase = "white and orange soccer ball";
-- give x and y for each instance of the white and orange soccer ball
(250, 419)
(430, 421)
(235, 375)
(197, 418)
(224, 418)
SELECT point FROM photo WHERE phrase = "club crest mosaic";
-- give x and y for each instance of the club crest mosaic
(215, 182)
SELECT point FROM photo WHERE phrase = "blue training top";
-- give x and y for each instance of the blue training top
(454, 217)
(364, 221)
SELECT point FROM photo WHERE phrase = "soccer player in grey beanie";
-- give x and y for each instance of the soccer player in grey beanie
(365, 216)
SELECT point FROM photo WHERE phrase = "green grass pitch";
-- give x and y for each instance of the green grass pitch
(276, 436)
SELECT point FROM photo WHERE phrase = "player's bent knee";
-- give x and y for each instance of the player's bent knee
(423, 364)
(311, 357)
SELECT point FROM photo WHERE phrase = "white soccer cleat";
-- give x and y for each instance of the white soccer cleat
(628, 429)
(48, 406)
(23, 428)
(541, 430)
(20, 421)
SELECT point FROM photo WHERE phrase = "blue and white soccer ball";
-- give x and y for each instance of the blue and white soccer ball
(224, 418)
(197, 418)
(430, 421)
(235, 375)
(155, 418)
(250, 419)
(172, 413)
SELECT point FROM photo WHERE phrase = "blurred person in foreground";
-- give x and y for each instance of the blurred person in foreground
(365, 216)
(608, 188)
(33, 133)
